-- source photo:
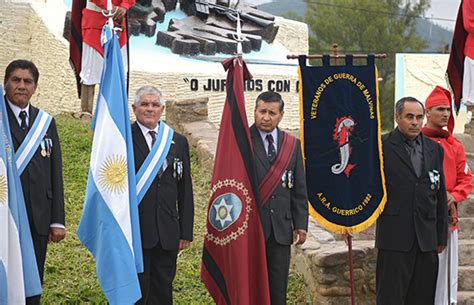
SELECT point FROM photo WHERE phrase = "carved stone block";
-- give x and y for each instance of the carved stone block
(134, 27)
(170, 4)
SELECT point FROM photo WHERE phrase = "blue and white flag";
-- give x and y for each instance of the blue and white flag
(19, 277)
(109, 226)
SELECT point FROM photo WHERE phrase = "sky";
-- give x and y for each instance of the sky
(443, 9)
(446, 9)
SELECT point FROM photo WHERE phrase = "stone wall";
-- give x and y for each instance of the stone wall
(323, 262)
(293, 35)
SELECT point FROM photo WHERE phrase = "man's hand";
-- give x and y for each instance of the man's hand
(119, 14)
(452, 209)
(440, 248)
(299, 236)
(56, 234)
(451, 200)
(183, 244)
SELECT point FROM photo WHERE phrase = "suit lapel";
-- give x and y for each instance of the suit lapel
(32, 115)
(280, 140)
(15, 128)
(428, 150)
(258, 148)
(171, 153)
(140, 142)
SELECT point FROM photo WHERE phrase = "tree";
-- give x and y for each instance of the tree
(362, 26)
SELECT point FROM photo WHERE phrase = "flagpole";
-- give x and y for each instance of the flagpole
(238, 35)
(348, 235)
(109, 13)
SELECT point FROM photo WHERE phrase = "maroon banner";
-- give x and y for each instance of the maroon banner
(75, 40)
(234, 267)
(455, 71)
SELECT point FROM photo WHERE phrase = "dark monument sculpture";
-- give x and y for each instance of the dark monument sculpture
(208, 29)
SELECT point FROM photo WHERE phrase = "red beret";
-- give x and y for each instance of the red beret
(441, 97)
(438, 97)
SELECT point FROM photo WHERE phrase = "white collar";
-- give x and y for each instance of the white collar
(16, 110)
(145, 130)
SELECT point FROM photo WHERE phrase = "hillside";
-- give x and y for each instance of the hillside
(435, 35)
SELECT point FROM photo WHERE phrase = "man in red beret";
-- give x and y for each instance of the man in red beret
(458, 186)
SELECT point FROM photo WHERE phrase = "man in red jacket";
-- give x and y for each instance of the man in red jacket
(92, 52)
(458, 186)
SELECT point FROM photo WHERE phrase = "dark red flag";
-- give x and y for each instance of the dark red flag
(75, 40)
(234, 267)
(455, 71)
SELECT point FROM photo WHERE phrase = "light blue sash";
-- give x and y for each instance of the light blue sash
(154, 161)
(32, 140)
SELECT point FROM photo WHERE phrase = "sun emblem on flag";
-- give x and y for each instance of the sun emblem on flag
(3, 189)
(113, 174)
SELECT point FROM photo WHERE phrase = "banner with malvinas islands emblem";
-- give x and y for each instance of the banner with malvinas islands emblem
(342, 146)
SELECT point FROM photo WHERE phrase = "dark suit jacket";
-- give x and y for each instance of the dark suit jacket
(287, 209)
(167, 209)
(42, 179)
(414, 208)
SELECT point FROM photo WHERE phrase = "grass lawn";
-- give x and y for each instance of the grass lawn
(70, 269)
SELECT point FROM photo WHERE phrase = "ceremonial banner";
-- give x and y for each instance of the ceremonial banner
(342, 144)
(455, 71)
(234, 267)
(109, 226)
(19, 277)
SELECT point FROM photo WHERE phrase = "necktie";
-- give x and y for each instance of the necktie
(415, 157)
(271, 154)
(23, 124)
(153, 137)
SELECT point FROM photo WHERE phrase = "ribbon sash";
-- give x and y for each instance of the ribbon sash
(274, 174)
(154, 161)
(32, 140)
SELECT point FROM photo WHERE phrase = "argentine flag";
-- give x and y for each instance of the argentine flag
(19, 277)
(109, 226)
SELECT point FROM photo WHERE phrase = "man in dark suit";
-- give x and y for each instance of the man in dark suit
(41, 177)
(284, 207)
(413, 226)
(167, 207)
